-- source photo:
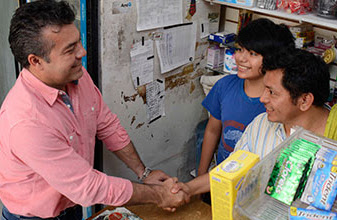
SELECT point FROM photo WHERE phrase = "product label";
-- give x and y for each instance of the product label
(229, 61)
(309, 214)
(320, 191)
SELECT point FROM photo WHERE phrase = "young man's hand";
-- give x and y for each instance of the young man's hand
(170, 201)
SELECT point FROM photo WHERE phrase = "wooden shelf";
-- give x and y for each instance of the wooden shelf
(309, 18)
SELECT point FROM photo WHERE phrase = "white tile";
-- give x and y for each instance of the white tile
(231, 27)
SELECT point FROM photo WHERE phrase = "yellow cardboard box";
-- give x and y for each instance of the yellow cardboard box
(225, 181)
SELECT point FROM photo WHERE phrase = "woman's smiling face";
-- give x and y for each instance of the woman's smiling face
(249, 63)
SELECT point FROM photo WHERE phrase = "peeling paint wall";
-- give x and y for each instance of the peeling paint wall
(169, 142)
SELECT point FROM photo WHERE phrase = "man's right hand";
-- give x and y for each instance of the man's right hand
(160, 195)
(170, 201)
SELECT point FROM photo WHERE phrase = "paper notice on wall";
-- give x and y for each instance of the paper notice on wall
(177, 46)
(121, 7)
(158, 13)
(155, 97)
(204, 28)
(142, 62)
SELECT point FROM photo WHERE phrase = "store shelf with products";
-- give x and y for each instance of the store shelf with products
(219, 43)
(309, 18)
(227, 40)
(220, 60)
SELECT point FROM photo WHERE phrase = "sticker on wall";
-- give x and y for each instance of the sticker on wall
(155, 97)
(121, 7)
(156, 35)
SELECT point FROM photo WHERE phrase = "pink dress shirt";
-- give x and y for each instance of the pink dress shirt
(47, 152)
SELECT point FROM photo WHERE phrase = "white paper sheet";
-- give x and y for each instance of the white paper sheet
(204, 28)
(155, 97)
(177, 46)
(142, 63)
(158, 13)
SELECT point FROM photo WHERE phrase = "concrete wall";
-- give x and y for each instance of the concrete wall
(169, 142)
(7, 68)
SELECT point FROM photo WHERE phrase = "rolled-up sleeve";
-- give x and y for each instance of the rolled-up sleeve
(109, 128)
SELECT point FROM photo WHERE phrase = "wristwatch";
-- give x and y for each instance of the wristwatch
(145, 174)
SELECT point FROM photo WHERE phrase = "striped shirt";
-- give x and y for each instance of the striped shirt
(261, 136)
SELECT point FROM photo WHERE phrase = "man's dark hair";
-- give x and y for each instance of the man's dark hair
(303, 72)
(265, 37)
(27, 24)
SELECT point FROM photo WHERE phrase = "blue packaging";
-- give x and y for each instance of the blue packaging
(222, 38)
(320, 190)
(327, 155)
(310, 214)
(229, 65)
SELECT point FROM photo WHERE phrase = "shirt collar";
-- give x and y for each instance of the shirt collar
(50, 94)
(278, 128)
(280, 131)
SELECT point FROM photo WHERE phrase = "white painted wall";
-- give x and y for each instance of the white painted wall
(169, 142)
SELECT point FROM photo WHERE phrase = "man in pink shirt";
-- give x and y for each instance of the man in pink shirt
(48, 124)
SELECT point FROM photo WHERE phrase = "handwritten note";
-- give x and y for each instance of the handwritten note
(155, 96)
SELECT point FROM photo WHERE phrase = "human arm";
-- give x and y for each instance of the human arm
(159, 195)
(199, 184)
(210, 142)
(57, 164)
(116, 139)
(196, 186)
(72, 176)
(130, 157)
(213, 104)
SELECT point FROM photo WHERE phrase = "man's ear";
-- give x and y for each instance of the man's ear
(305, 101)
(35, 61)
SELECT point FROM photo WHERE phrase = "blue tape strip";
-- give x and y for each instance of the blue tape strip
(84, 29)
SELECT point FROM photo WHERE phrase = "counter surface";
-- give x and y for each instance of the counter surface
(195, 210)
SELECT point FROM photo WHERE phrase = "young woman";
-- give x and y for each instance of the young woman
(234, 101)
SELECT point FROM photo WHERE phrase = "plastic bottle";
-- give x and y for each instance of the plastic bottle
(229, 61)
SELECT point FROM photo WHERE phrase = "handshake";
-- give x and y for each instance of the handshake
(172, 194)
(166, 192)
